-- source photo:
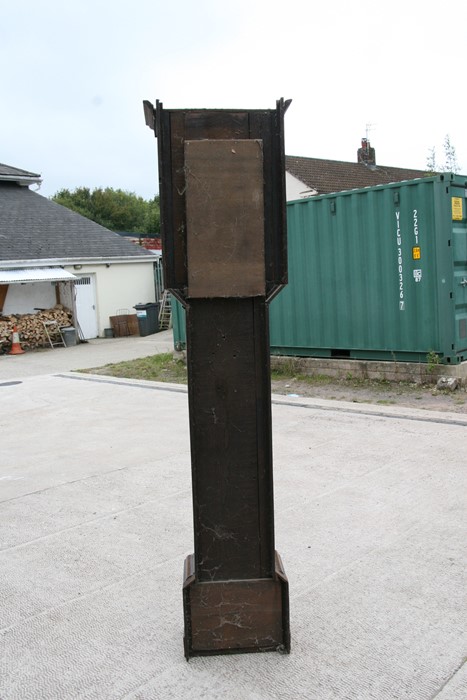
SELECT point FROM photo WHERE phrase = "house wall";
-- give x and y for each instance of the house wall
(119, 286)
(24, 298)
(296, 189)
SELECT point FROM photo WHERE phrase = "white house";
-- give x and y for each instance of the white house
(49, 255)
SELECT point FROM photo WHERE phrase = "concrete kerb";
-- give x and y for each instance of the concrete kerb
(414, 372)
(367, 409)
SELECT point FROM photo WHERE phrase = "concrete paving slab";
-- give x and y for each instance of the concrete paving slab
(96, 519)
(94, 353)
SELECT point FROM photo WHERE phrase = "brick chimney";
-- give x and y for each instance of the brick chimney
(366, 154)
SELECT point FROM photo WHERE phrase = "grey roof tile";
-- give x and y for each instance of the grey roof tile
(10, 171)
(32, 227)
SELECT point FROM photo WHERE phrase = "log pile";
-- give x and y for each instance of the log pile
(30, 327)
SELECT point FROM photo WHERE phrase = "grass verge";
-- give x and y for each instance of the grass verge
(288, 381)
(164, 368)
(156, 368)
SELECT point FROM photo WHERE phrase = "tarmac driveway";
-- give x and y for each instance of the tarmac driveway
(96, 519)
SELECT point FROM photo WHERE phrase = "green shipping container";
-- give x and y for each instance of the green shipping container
(376, 273)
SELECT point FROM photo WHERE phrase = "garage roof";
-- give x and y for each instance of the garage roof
(35, 228)
(35, 274)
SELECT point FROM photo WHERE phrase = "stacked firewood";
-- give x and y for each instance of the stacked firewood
(31, 328)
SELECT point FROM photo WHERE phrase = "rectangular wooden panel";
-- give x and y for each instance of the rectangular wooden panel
(230, 426)
(225, 218)
(231, 615)
(216, 124)
(266, 125)
(176, 229)
(224, 617)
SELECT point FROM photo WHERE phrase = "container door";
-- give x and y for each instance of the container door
(85, 290)
(459, 229)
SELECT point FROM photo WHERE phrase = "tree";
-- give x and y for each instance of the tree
(431, 166)
(450, 164)
(152, 222)
(117, 210)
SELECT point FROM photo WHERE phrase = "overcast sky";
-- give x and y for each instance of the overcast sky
(74, 75)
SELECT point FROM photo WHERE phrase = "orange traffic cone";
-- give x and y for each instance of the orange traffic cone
(16, 348)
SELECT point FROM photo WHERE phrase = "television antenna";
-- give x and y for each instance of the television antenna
(369, 127)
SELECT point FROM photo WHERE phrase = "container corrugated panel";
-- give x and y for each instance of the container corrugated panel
(377, 273)
(178, 324)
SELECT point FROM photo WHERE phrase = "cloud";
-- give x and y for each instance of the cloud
(78, 73)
